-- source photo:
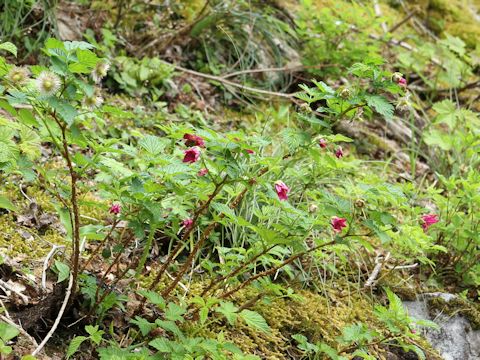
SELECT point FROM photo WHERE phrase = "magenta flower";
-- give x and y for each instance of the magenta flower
(250, 151)
(203, 172)
(402, 82)
(338, 223)
(187, 223)
(115, 209)
(339, 152)
(191, 155)
(194, 140)
(322, 143)
(428, 220)
(282, 190)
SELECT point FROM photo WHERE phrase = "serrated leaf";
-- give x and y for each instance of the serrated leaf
(116, 167)
(8, 46)
(74, 345)
(66, 111)
(381, 105)
(154, 298)
(255, 320)
(174, 312)
(144, 325)
(161, 344)
(152, 144)
(229, 310)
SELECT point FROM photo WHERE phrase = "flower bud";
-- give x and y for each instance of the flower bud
(360, 203)
(397, 76)
(313, 208)
(345, 93)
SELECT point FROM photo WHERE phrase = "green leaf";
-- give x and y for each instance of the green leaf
(66, 111)
(74, 345)
(86, 62)
(161, 344)
(255, 320)
(174, 312)
(63, 271)
(8, 332)
(5, 203)
(27, 118)
(229, 310)
(154, 298)
(436, 137)
(95, 333)
(116, 167)
(152, 144)
(8, 46)
(144, 325)
(381, 105)
(65, 219)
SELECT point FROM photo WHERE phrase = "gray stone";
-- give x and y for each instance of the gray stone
(455, 340)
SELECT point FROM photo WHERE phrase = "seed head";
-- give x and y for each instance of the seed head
(47, 83)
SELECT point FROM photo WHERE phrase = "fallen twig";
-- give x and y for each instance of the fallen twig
(8, 287)
(376, 270)
(45, 263)
(59, 317)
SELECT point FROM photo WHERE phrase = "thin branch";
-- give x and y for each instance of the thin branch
(401, 22)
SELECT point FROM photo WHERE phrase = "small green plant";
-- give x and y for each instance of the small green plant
(7, 333)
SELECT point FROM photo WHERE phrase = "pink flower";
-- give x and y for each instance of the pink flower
(322, 143)
(250, 151)
(338, 223)
(282, 190)
(115, 209)
(187, 223)
(203, 172)
(339, 152)
(402, 82)
(191, 155)
(429, 220)
(194, 140)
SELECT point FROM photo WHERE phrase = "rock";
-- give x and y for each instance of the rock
(455, 340)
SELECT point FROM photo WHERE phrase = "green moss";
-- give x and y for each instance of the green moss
(457, 306)
(455, 17)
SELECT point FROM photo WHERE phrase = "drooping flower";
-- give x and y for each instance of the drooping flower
(191, 155)
(338, 223)
(250, 151)
(322, 143)
(339, 152)
(115, 209)
(194, 140)
(203, 172)
(18, 75)
(48, 83)
(428, 220)
(402, 82)
(100, 71)
(187, 223)
(94, 101)
(282, 190)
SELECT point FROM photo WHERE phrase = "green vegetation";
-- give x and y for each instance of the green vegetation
(236, 180)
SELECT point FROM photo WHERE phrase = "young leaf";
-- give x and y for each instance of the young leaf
(255, 320)
(63, 271)
(74, 345)
(8, 332)
(8, 46)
